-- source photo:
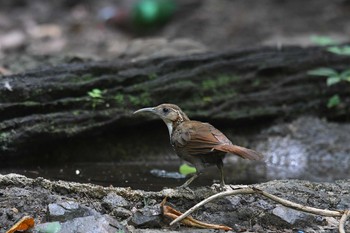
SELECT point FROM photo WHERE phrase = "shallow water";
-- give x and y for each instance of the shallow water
(134, 175)
(145, 176)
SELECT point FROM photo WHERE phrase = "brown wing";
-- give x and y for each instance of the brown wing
(199, 138)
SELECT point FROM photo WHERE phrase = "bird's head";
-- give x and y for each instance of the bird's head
(169, 113)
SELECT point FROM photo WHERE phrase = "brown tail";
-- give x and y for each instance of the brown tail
(240, 151)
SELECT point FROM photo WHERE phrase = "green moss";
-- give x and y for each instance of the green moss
(152, 76)
(185, 84)
(207, 99)
(142, 100)
(4, 136)
(83, 78)
(219, 81)
(4, 140)
(146, 98)
(30, 103)
(119, 99)
(256, 83)
(76, 113)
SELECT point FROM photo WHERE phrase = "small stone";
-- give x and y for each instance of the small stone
(121, 212)
(70, 205)
(67, 210)
(149, 216)
(289, 216)
(113, 200)
(91, 224)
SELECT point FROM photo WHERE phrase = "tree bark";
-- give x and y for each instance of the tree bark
(47, 105)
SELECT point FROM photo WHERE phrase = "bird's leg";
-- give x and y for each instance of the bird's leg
(189, 181)
(220, 165)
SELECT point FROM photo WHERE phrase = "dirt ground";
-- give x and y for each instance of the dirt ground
(77, 28)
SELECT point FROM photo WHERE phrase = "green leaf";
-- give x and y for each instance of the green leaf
(340, 50)
(323, 72)
(119, 98)
(345, 75)
(95, 93)
(333, 80)
(186, 169)
(333, 101)
(322, 40)
(207, 99)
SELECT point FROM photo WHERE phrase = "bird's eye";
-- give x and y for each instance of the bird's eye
(165, 110)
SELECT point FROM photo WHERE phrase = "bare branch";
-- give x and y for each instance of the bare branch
(343, 221)
(293, 205)
(211, 198)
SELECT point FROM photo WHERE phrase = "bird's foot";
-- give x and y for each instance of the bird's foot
(220, 187)
(185, 188)
(233, 187)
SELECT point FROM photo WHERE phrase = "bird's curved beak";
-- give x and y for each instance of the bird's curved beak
(145, 110)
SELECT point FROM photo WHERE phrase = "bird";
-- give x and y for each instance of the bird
(196, 142)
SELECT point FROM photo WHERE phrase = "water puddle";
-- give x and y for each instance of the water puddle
(150, 177)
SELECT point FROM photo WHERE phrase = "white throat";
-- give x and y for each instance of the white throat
(169, 124)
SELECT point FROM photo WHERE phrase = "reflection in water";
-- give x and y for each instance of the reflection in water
(285, 163)
(166, 174)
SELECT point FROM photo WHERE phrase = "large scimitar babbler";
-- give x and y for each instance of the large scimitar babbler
(198, 143)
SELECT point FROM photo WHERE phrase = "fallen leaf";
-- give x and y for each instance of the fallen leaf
(22, 225)
(189, 221)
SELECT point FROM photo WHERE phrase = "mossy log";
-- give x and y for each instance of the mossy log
(53, 103)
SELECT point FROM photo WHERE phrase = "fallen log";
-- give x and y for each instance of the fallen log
(44, 107)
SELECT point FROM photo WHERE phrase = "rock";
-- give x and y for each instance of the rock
(67, 211)
(121, 212)
(290, 216)
(147, 217)
(115, 203)
(113, 200)
(88, 224)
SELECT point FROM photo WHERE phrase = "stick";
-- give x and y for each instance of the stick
(312, 210)
(211, 198)
(293, 205)
(343, 221)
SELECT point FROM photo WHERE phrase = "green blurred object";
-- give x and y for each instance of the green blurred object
(151, 13)
(186, 169)
(51, 227)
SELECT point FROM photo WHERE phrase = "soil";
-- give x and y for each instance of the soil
(130, 209)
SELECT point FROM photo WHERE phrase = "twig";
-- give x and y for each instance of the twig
(343, 221)
(211, 198)
(293, 205)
